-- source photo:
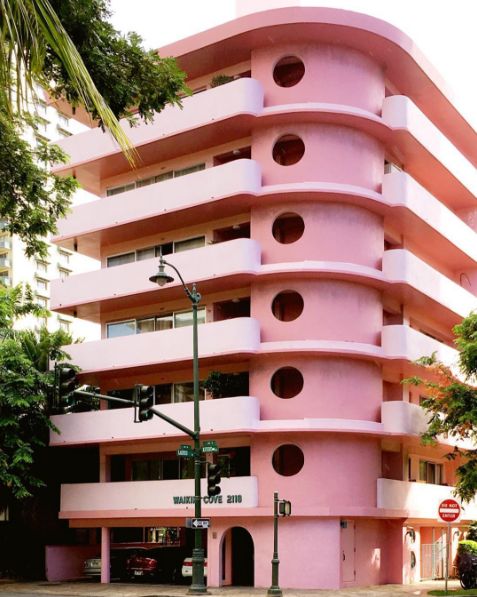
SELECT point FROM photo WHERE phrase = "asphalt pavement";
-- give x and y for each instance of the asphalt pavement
(95, 589)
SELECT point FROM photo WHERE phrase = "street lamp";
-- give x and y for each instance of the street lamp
(198, 586)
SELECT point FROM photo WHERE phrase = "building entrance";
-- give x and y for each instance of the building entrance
(237, 553)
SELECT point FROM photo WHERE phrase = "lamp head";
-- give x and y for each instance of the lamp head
(161, 277)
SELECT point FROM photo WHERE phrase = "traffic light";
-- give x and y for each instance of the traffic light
(213, 479)
(66, 385)
(143, 402)
(284, 508)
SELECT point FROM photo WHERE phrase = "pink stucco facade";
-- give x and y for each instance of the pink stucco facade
(329, 190)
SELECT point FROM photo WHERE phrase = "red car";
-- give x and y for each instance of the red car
(141, 565)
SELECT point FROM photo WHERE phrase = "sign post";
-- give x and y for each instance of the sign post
(449, 511)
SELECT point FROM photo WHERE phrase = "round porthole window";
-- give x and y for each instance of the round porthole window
(287, 305)
(287, 382)
(288, 150)
(288, 228)
(288, 71)
(288, 460)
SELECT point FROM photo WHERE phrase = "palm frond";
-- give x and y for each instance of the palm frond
(27, 28)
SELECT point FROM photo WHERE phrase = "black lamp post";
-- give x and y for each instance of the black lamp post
(198, 586)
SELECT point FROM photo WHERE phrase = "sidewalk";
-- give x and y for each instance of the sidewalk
(93, 589)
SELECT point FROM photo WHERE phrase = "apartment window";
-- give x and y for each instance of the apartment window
(42, 302)
(144, 182)
(63, 120)
(64, 325)
(189, 170)
(177, 392)
(155, 251)
(41, 107)
(63, 132)
(164, 176)
(121, 259)
(64, 257)
(42, 123)
(121, 189)
(153, 324)
(121, 328)
(189, 243)
(63, 273)
(431, 472)
(147, 253)
(41, 267)
(4, 514)
(42, 284)
(40, 140)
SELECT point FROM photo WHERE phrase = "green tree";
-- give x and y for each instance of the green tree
(69, 48)
(25, 389)
(451, 402)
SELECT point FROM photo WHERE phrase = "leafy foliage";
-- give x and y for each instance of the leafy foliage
(471, 534)
(452, 403)
(25, 382)
(224, 385)
(70, 49)
(31, 198)
(133, 82)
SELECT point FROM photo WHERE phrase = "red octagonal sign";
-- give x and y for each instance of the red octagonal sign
(449, 510)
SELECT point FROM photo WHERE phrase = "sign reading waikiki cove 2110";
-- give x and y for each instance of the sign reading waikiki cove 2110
(214, 499)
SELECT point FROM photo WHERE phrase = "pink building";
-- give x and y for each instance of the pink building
(323, 199)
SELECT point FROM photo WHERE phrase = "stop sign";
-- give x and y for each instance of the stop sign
(449, 510)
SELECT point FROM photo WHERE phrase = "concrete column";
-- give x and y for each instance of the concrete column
(105, 552)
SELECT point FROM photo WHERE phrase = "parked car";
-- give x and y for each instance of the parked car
(142, 564)
(92, 566)
(187, 567)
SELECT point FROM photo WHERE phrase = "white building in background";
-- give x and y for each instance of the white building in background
(16, 268)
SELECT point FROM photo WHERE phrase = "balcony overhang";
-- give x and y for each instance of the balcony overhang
(404, 64)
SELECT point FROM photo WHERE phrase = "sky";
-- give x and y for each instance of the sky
(445, 30)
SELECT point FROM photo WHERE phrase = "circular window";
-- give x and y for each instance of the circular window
(287, 382)
(288, 305)
(288, 460)
(288, 150)
(288, 71)
(288, 228)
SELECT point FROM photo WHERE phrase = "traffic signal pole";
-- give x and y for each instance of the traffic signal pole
(198, 560)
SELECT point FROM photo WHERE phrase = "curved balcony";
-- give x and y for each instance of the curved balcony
(156, 207)
(428, 222)
(428, 155)
(405, 418)
(400, 347)
(127, 286)
(408, 69)
(206, 119)
(130, 499)
(403, 346)
(417, 500)
(414, 281)
(104, 426)
(231, 339)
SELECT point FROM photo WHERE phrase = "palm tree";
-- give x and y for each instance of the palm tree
(27, 29)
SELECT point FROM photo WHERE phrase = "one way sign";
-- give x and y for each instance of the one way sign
(197, 523)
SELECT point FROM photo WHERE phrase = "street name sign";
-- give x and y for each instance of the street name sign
(185, 451)
(449, 510)
(197, 523)
(210, 446)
